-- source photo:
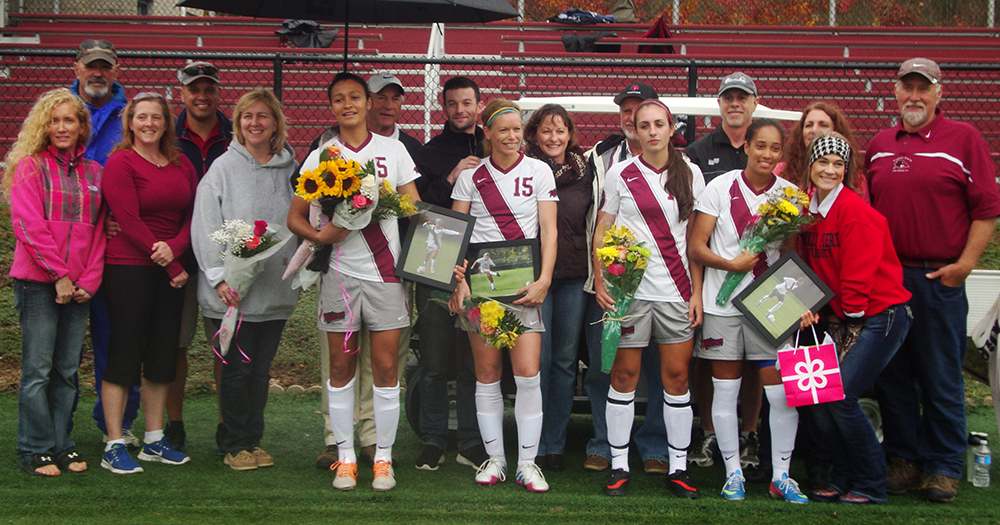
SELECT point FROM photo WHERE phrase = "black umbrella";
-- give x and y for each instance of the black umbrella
(365, 11)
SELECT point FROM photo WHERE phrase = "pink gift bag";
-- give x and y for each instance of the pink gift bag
(811, 374)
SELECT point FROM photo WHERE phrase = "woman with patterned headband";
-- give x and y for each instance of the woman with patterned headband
(512, 197)
(850, 249)
(149, 187)
(653, 195)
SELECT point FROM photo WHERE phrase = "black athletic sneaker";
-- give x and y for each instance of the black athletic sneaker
(680, 485)
(430, 457)
(175, 434)
(473, 456)
(617, 483)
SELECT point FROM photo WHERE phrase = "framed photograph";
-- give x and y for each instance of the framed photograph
(775, 301)
(435, 242)
(499, 270)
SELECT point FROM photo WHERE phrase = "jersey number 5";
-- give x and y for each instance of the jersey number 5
(522, 187)
(380, 168)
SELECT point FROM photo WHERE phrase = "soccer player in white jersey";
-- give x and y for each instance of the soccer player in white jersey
(360, 285)
(434, 233)
(653, 195)
(779, 291)
(725, 209)
(485, 264)
(512, 197)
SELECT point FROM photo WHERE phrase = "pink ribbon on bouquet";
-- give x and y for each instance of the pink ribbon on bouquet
(347, 301)
(235, 332)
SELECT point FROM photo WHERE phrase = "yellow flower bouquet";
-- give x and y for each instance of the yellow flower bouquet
(494, 321)
(783, 215)
(624, 262)
(346, 191)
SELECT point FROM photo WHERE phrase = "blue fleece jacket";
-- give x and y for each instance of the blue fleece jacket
(105, 122)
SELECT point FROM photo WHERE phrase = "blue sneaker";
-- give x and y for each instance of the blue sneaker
(734, 488)
(164, 453)
(118, 461)
(786, 488)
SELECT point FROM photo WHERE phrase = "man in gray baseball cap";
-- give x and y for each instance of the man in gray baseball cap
(387, 106)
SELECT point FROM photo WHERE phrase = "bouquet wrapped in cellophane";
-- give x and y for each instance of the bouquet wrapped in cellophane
(495, 321)
(782, 216)
(347, 192)
(623, 264)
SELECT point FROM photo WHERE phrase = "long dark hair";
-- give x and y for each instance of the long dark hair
(680, 178)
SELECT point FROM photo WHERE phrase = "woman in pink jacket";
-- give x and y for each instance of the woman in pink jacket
(58, 218)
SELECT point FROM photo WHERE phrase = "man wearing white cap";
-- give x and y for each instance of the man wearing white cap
(933, 179)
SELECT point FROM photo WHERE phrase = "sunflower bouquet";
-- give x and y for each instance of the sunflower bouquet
(782, 216)
(494, 321)
(624, 262)
(346, 191)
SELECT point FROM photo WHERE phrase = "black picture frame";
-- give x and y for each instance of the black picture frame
(765, 302)
(518, 263)
(418, 262)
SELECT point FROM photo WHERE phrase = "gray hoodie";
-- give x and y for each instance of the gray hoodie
(238, 187)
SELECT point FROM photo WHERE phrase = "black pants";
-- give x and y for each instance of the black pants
(244, 384)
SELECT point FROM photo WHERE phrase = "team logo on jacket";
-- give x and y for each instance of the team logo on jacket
(329, 317)
(901, 164)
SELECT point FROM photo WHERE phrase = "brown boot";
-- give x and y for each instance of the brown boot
(903, 476)
(940, 489)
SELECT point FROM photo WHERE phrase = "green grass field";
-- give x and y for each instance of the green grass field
(205, 491)
(789, 312)
(507, 283)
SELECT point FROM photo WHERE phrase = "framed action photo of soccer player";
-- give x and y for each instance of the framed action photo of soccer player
(775, 301)
(500, 270)
(435, 242)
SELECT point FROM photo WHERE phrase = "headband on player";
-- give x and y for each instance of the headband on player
(830, 144)
(656, 102)
(499, 112)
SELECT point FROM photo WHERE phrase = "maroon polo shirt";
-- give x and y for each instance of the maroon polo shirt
(931, 185)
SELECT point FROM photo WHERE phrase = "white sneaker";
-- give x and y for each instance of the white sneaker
(385, 479)
(131, 441)
(530, 477)
(492, 471)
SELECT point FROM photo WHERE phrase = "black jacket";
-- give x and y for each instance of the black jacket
(218, 145)
(715, 154)
(438, 157)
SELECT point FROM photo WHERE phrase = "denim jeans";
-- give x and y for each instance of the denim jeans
(927, 372)
(100, 331)
(651, 439)
(562, 313)
(51, 341)
(859, 466)
(440, 344)
(245, 384)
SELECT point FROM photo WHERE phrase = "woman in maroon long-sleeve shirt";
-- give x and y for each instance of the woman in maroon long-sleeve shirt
(150, 191)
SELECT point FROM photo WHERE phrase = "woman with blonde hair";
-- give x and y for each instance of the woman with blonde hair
(512, 197)
(58, 219)
(150, 190)
(249, 183)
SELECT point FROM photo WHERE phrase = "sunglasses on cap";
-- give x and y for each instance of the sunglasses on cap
(201, 69)
(102, 44)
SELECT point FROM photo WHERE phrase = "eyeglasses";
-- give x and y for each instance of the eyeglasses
(148, 94)
(194, 71)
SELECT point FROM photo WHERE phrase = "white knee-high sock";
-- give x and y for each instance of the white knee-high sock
(620, 413)
(727, 428)
(341, 404)
(784, 424)
(677, 416)
(528, 415)
(385, 403)
(489, 413)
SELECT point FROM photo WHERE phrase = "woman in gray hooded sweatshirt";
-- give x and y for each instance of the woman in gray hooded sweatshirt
(248, 182)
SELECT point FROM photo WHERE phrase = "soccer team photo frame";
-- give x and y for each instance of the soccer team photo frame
(775, 301)
(435, 243)
(499, 270)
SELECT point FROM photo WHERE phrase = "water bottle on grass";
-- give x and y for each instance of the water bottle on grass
(982, 461)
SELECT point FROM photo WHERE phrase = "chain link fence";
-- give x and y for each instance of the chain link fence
(863, 90)
(862, 13)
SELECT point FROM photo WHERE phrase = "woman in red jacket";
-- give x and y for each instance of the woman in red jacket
(849, 248)
(58, 220)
